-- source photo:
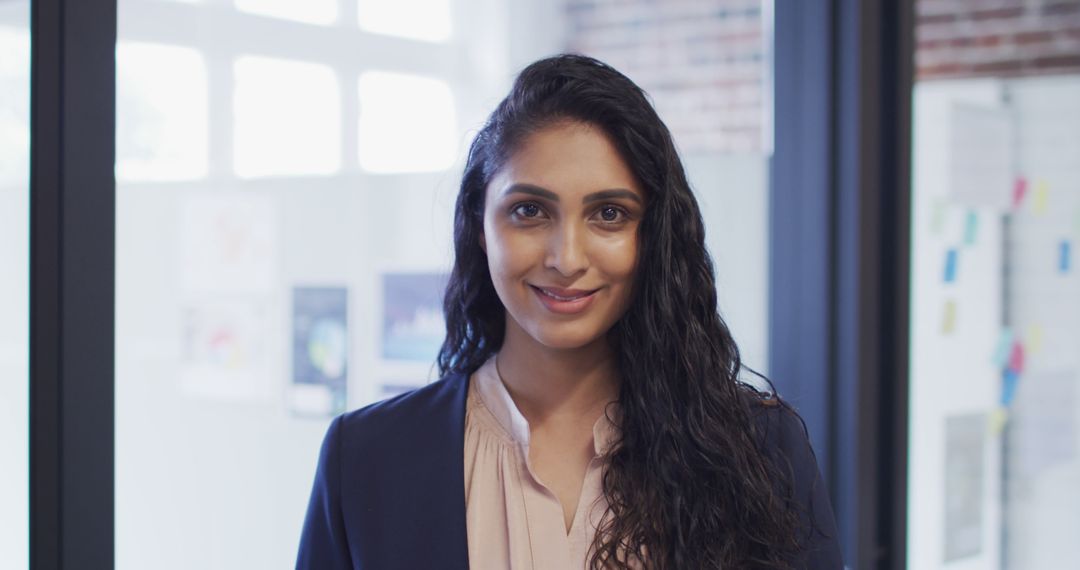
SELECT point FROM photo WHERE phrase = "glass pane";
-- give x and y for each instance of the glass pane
(995, 375)
(407, 123)
(163, 133)
(309, 11)
(284, 222)
(14, 283)
(427, 20)
(286, 118)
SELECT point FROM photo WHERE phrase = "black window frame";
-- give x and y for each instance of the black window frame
(840, 208)
(72, 268)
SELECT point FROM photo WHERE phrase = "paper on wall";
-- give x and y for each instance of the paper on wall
(1043, 429)
(228, 243)
(225, 354)
(964, 481)
(981, 166)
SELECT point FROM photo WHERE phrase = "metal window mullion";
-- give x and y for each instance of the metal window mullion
(72, 226)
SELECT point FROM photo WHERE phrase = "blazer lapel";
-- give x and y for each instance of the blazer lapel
(404, 500)
(434, 536)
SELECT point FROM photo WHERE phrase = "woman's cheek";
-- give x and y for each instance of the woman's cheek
(619, 257)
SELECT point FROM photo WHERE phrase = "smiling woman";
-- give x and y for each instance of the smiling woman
(589, 413)
(561, 252)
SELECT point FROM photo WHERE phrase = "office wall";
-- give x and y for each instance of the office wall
(1015, 300)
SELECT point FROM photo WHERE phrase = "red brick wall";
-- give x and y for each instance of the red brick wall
(703, 61)
(972, 38)
(700, 60)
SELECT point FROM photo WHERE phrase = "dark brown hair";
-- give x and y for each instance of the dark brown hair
(688, 484)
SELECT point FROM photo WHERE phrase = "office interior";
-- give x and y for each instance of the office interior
(285, 175)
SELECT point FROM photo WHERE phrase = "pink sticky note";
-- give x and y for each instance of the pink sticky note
(1019, 191)
(1016, 358)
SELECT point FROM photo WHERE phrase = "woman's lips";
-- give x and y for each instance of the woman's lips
(577, 304)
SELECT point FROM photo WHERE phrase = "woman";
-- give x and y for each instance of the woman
(589, 412)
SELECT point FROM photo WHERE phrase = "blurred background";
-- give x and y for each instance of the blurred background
(285, 176)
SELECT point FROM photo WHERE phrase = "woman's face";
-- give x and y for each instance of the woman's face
(560, 233)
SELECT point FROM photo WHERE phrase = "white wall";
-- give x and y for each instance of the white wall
(1009, 277)
(733, 192)
(1043, 466)
(951, 374)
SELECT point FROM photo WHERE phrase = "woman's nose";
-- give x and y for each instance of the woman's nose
(566, 250)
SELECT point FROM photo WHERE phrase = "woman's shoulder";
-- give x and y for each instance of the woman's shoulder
(776, 425)
(412, 412)
(783, 438)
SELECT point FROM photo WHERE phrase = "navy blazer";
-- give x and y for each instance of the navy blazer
(389, 489)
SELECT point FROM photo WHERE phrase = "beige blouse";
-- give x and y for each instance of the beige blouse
(513, 520)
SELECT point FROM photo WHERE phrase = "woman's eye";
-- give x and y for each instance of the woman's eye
(610, 214)
(527, 210)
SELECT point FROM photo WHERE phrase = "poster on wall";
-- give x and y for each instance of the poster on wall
(320, 350)
(413, 326)
(964, 483)
(224, 349)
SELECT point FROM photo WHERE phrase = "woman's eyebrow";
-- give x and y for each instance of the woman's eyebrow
(539, 192)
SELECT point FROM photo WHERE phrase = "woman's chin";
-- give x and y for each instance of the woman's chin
(565, 337)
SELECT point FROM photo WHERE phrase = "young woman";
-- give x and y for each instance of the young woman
(589, 412)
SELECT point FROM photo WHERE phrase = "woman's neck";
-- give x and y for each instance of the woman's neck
(563, 385)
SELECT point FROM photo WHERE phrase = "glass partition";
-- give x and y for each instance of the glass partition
(285, 180)
(14, 283)
(995, 374)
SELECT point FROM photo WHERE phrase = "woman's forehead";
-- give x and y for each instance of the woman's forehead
(569, 159)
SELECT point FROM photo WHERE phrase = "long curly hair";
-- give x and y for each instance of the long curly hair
(688, 484)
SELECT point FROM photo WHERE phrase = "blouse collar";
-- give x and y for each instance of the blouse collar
(497, 398)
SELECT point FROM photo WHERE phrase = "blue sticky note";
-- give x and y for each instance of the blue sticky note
(1064, 261)
(971, 227)
(1004, 348)
(950, 266)
(1009, 380)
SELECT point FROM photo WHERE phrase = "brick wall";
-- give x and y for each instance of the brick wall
(700, 60)
(973, 38)
(703, 61)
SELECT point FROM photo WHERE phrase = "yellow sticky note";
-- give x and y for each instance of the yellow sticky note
(948, 320)
(997, 419)
(1041, 198)
(1034, 338)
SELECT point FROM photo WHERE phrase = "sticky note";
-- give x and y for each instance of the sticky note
(1009, 380)
(1064, 254)
(1019, 191)
(971, 227)
(948, 320)
(1041, 197)
(1033, 339)
(950, 265)
(937, 216)
(1016, 359)
(997, 420)
(1004, 348)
